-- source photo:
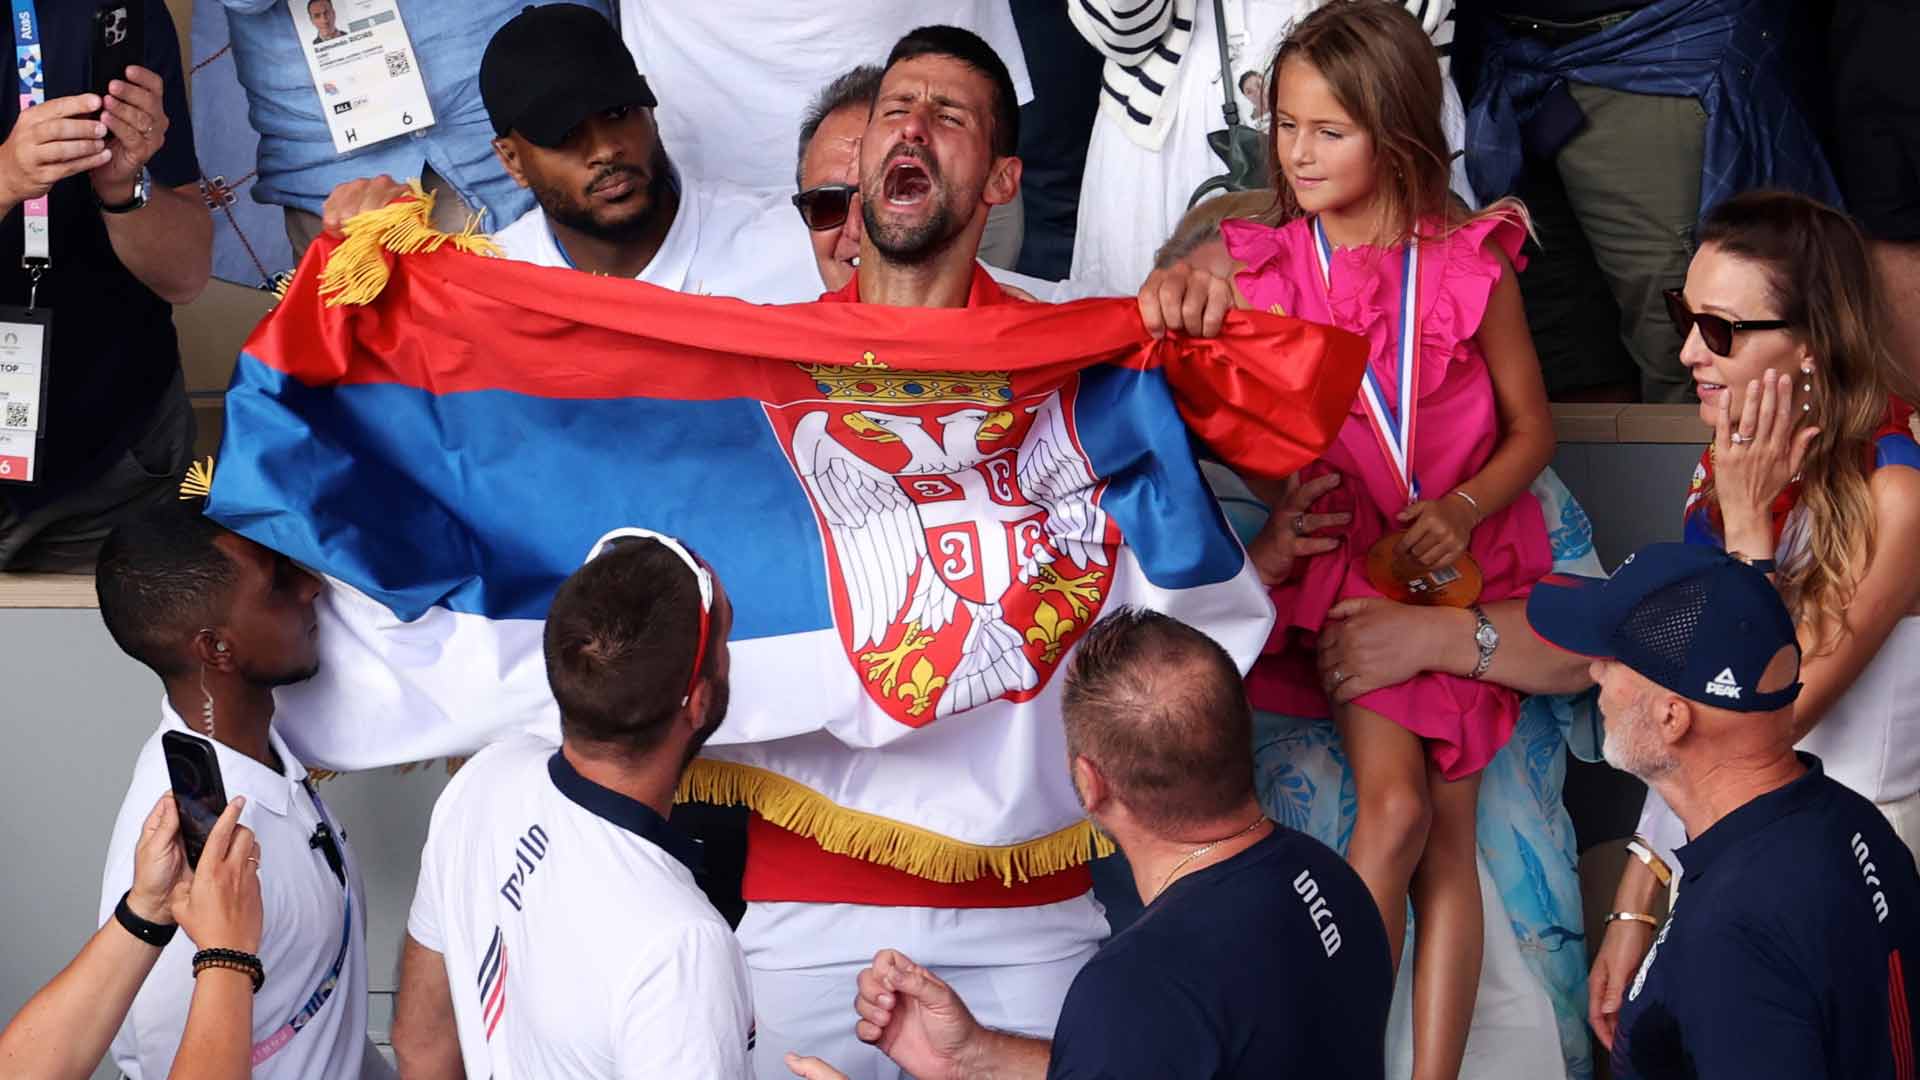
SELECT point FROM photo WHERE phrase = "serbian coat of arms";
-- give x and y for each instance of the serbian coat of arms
(965, 540)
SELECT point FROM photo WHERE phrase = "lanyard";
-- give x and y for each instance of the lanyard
(329, 980)
(1392, 428)
(33, 91)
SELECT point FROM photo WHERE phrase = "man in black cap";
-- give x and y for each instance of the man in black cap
(574, 123)
(1785, 951)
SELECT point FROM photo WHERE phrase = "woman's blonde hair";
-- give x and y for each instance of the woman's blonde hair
(1384, 72)
(1819, 274)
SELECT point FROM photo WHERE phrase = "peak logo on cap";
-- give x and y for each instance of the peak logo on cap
(1725, 685)
(1677, 614)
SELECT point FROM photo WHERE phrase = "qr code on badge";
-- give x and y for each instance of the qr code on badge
(399, 63)
(16, 414)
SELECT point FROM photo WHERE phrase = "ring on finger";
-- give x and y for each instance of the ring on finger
(1300, 524)
(1740, 439)
(1338, 677)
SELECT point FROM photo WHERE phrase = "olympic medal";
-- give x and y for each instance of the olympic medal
(1399, 577)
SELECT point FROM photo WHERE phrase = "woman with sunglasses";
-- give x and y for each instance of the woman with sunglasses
(1813, 474)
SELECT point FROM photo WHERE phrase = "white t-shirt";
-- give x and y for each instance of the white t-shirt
(733, 78)
(575, 940)
(307, 1025)
(723, 242)
(1131, 197)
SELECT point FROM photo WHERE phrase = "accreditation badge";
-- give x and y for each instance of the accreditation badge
(1399, 577)
(25, 340)
(364, 69)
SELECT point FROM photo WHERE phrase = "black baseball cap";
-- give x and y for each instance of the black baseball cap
(550, 67)
(1687, 616)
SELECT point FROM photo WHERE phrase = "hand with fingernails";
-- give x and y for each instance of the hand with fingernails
(1292, 533)
(218, 902)
(910, 1015)
(159, 863)
(135, 111)
(1756, 458)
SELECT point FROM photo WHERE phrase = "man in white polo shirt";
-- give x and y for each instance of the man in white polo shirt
(575, 126)
(557, 929)
(223, 621)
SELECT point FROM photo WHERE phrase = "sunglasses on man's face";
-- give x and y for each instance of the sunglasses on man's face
(825, 207)
(1715, 331)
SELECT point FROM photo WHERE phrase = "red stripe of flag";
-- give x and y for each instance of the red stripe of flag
(1899, 1023)
(497, 1004)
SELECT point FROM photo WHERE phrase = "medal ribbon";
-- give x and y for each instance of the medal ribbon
(33, 91)
(1392, 428)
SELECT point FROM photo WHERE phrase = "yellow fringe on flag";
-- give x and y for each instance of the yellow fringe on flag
(797, 808)
(357, 270)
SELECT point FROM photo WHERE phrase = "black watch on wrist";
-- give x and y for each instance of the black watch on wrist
(153, 933)
(142, 188)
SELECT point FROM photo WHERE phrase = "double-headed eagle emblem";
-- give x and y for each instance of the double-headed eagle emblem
(966, 540)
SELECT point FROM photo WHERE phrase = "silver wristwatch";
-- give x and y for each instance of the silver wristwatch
(1486, 637)
(142, 190)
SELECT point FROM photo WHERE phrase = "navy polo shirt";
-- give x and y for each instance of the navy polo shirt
(1270, 964)
(114, 350)
(1786, 952)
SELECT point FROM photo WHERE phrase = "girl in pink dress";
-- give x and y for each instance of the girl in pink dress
(1371, 243)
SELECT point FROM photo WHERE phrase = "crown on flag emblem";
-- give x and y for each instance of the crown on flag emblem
(874, 382)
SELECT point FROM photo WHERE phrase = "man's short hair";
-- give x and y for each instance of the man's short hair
(1160, 709)
(857, 87)
(620, 641)
(311, 3)
(972, 50)
(160, 579)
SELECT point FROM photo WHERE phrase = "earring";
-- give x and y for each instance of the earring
(206, 709)
(1807, 370)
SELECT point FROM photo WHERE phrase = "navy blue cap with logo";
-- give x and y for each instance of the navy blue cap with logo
(1689, 617)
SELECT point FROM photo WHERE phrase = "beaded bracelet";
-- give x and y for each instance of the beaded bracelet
(232, 960)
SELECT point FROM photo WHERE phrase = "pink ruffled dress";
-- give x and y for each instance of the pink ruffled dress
(1464, 721)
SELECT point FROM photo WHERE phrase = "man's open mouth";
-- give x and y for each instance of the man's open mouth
(907, 182)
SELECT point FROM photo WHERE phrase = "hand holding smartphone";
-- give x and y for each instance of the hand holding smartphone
(118, 40)
(194, 771)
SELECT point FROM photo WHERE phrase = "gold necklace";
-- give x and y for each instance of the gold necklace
(1199, 851)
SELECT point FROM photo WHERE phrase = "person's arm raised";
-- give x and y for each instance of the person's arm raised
(63, 1031)
(219, 908)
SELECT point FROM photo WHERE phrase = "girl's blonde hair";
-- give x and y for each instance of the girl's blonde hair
(1384, 72)
(1819, 274)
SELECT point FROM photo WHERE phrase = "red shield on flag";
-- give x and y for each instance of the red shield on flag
(962, 531)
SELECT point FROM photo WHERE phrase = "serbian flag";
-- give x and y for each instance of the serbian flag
(916, 512)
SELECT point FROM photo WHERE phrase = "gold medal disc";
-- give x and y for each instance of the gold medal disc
(1399, 577)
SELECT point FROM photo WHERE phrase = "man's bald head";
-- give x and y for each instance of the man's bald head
(1158, 708)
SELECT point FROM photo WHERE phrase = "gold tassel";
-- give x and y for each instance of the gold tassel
(357, 271)
(797, 808)
(198, 483)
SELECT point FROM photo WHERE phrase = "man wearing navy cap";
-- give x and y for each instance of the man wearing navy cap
(1786, 949)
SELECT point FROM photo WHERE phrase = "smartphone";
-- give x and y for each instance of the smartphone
(197, 791)
(119, 41)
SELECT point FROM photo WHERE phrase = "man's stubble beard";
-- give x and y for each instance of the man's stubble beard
(1632, 745)
(576, 214)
